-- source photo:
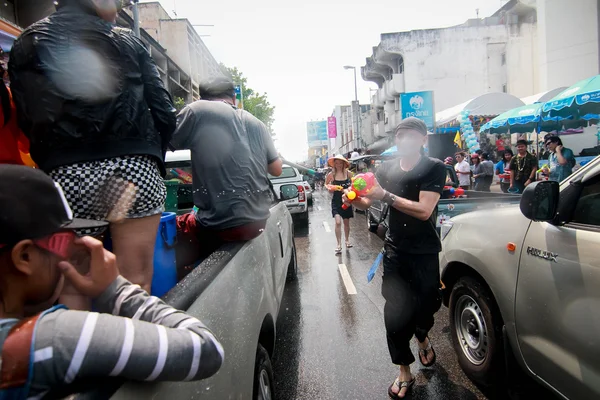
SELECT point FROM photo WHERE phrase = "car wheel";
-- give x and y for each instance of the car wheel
(292, 272)
(303, 219)
(476, 327)
(263, 376)
(371, 224)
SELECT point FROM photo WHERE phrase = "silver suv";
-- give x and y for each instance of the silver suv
(526, 281)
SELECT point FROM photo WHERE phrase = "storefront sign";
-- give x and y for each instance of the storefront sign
(332, 127)
(419, 105)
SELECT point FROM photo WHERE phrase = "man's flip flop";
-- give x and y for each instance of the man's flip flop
(349, 245)
(424, 355)
(408, 385)
(338, 251)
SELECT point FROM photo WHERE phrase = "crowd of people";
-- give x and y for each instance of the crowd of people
(514, 172)
(86, 125)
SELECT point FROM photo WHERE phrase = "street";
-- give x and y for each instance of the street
(331, 341)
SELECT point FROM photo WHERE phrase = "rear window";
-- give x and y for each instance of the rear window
(288, 172)
(180, 170)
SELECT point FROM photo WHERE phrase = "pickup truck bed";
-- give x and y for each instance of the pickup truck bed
(237, 293)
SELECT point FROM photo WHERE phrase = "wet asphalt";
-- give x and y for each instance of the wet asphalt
(332, 345)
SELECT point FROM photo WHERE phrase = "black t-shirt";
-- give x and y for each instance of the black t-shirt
(409, 234)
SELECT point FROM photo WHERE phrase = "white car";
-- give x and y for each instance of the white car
(299, 206)
(309, 192)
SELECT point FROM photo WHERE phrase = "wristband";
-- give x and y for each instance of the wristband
(389, 198)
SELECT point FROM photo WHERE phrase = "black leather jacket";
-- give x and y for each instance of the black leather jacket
(86, 90)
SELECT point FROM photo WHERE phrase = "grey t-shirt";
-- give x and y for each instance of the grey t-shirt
(231, 150)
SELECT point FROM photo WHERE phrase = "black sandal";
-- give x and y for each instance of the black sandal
(424, 355)
(408, 385)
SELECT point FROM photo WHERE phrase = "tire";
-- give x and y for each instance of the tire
(292, 271)
(476, 328)
(264, 388)
(303, 219)
(371, 224)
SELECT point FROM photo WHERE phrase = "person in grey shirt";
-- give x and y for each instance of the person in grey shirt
(488, 172)
(232, 154)
(58, 352)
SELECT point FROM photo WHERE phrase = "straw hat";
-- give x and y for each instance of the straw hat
(331, 161)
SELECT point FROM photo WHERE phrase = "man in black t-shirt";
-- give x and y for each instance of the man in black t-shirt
(411, 186)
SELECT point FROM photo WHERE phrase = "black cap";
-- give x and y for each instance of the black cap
(217, 87)
(33, 206)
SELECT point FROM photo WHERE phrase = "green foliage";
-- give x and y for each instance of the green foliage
(255, 103)
(179, 103)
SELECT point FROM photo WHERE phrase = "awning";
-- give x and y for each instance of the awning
(543, 96)
(489, 104)
(8, 34)
(379, 145)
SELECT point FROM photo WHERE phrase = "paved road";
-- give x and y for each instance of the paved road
(331, 338)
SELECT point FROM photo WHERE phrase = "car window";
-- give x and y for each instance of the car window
(587, 210)
(180, 170)
(288, 172)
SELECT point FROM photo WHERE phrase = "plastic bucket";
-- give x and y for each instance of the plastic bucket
(172, 197)
(165, 266)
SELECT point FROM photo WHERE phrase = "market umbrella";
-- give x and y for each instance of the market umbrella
(390, 152)
(580, 102)
(518, 120)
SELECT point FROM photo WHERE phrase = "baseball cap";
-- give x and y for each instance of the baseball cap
(33, 206)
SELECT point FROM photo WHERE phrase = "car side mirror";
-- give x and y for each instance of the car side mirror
(288, 192)
(539, 201)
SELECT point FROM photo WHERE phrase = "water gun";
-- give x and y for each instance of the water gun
(182, 175)
(545, 166)
(337, 188)
(361, 186)
(455, 192)
(300, 168)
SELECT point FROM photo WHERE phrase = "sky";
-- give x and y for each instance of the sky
(295, 51)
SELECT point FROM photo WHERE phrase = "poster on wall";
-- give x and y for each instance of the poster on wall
(419, 105)
(316, 132)
(332, 127)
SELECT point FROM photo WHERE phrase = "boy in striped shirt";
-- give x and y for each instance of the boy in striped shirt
(133, 335)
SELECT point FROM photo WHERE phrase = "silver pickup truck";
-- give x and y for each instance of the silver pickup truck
(237, 292)
(524, 283)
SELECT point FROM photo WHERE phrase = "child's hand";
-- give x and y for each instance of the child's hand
(102, 269)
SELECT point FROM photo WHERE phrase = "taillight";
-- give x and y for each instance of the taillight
(301, 194)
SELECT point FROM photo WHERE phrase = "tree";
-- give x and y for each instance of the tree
(255, 103)
(179, 103)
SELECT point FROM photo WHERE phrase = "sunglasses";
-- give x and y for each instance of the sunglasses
(59, 243)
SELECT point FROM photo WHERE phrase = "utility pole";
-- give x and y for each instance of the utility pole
(136, 18)
(358, 135)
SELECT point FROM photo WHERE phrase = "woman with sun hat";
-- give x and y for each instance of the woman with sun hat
(338, 178)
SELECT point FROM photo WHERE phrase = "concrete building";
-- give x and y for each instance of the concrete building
(526, 47)
(16, 15)
(346, 120)
(184, 44)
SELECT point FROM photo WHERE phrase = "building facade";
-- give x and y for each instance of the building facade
(185, 46)
(526, 47)
(16, 15)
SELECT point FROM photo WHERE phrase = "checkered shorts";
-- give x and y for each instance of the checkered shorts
(93, 188)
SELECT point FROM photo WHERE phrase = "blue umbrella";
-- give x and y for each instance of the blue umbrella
(390, 152)
(580, 101)
(518, 120)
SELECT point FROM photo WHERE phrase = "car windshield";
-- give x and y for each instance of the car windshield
(288, 172)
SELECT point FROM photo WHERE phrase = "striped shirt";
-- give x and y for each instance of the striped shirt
(144, 340)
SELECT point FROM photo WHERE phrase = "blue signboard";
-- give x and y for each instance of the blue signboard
(419, 105)
(316, 133)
